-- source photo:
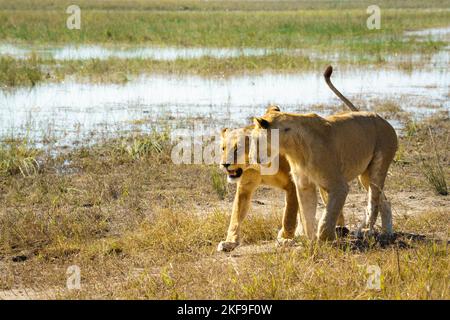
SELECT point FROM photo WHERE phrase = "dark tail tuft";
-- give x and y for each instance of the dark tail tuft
(328, 72)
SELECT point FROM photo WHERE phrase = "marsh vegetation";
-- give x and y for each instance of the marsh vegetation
(320, 31)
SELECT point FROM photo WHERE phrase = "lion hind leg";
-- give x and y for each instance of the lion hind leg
(386, 215)
(373, 181)
(365, 182)
(307, 197)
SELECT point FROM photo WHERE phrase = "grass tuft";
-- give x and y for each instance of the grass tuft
(433, 170)
(141, 146)
(26, 72)
(434, 174)
(17, 156)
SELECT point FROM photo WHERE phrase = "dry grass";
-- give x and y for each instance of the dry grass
(139, 226)
(219, 182)
(433, 170)
(417, 151)
(390, 109)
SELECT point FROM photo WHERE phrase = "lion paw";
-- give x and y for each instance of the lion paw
(326, 233)
(225, 246)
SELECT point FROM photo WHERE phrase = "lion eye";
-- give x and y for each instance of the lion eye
(223, 148)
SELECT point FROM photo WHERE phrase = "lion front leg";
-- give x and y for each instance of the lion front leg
(287, 233)
(241, 206)
(324, 195)
(336, 201)
(307, 198)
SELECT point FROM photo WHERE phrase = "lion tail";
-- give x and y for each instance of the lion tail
(327, 75)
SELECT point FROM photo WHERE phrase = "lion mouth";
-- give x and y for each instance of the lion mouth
(234, 174)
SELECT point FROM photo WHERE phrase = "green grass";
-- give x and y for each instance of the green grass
(119, 70)
(216, 5)
(20, 72)
(114, 70)
(312, 29)
(316, 27)
(27, 72)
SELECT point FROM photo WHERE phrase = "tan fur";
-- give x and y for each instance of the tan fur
(249, 181)
(328, 153)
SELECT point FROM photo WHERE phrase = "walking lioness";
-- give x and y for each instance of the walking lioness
(328, 153)
(248, 178)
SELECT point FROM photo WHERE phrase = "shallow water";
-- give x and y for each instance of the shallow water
(76, 112)
(84, 52)
(69, 113)
(431, 33)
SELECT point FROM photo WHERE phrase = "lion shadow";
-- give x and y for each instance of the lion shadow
(355, 240)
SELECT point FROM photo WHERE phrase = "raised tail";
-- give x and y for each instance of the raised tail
(327, 75)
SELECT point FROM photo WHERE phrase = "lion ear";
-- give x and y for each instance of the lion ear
(262, 123)
(272, 108)
(223, 131)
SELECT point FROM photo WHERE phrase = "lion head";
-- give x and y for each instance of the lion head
(235, 146)
(235, 149)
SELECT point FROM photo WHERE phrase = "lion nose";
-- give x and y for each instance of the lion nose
(225, 165)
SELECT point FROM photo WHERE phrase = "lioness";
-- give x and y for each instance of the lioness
(248, 178)
(328, 153)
